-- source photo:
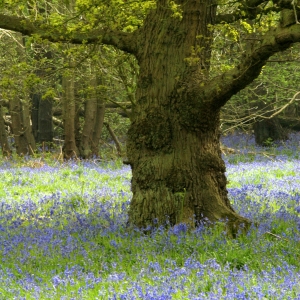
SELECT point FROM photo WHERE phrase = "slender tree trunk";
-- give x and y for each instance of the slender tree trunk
(98, 127)
(178, 174)
(100, 113)
(3, 136)
(89, 122)
(35, 100)
(45, 123)
(41, 109)
(69, 148)
(115, 138)
(41, 116)
(87, 131)
(77, 123)
(27, 128)
(15, 109)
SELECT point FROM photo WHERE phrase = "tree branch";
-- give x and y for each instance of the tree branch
(238, 15)
(252, 8)
(223, 87)
(121, 40)
(248, 9)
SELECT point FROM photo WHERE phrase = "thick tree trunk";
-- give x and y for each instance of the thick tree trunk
(178, 174)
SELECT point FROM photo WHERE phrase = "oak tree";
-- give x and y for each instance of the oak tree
(178, 174)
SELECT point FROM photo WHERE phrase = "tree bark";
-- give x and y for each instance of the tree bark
(100, 113)
(15, 109)
(266, 131)
(41, 109)
(69, 148)
(3, 136)
(41, 116)
(45, 124)
(178, 174)
(89, 122)
(77, 120)
(35, 100)
(27, 128)
(115, 138)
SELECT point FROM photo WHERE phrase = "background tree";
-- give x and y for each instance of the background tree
(42, 66)
(6, 151)
(42, 96)
(15, 86)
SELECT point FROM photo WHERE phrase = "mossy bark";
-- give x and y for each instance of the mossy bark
(90, 110)
(15, 110)
(99, 116)
(97, 130)
(70, 149)
(3, 135)
(178, 174)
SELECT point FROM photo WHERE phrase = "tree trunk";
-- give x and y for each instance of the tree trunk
(178, 174)
(3, 136)
(89, 122)
(35, 100)
(41, 109)
(115, 138)
(100, 113)
(69, 148)
(41, 116)
(268, 131)
(15, 109)
(27, 128)
(45, 123)
(77, 123)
